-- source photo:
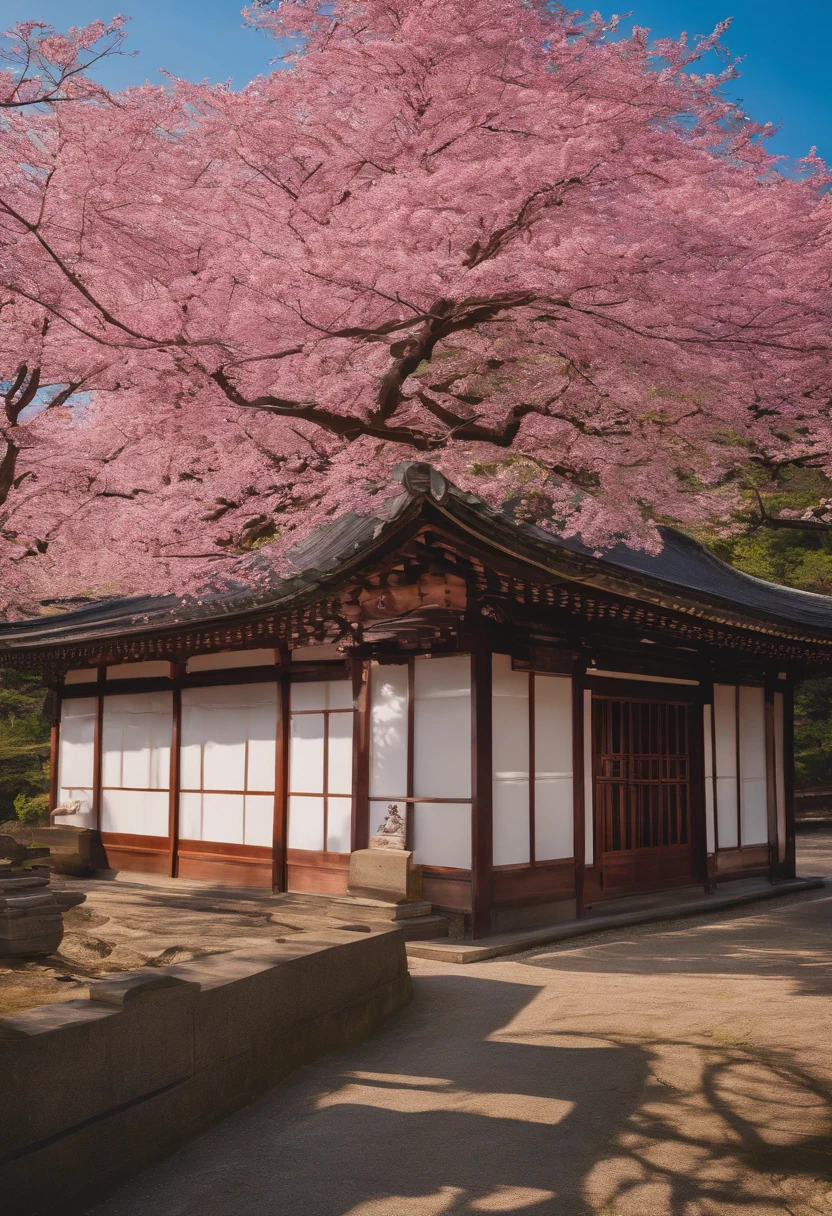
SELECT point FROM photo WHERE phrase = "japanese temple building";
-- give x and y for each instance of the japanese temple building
(559, 728)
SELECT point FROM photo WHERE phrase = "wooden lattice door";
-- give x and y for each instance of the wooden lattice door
(642, 777)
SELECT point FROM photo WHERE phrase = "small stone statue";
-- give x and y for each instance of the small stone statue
(391, 833)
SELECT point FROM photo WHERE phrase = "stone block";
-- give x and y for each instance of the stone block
(386, 874)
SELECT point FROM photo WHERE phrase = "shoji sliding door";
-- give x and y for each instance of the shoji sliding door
(227, 781)
(135, 779)
(749, 794)
(76, 759)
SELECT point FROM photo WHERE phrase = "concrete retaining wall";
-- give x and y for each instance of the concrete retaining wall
(91, 1090)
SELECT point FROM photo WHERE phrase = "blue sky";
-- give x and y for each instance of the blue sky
(786, 76)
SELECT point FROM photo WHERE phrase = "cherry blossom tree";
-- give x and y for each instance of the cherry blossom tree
(491, 234)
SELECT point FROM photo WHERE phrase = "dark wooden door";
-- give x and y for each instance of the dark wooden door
(642, 779)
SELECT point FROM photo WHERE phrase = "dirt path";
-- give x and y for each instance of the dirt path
(676, 1070)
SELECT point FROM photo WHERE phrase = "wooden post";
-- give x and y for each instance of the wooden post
(177, 671)
(579, 792)
(481, 802)
(54, 746)
(281, 776)
(360, 831)
(97, 749)
(789, 868)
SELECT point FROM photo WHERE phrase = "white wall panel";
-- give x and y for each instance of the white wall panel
(511, 837)
(235, 658)
(780, 774)
(388, 730)
(316, 654)
(259, 819)
(262, 730)
(554, 827)
(82, 675)
(306, 753)
(135, 812)
(709, 777)
(76, 758)
(554, 824)
(222, 818)
(147, 670)
(306, 823)
(338, 824)
(321, 694)
(442, 834)
(135, 741)
(510, 762)
(442, 727)
(753, 783)
(725, 734)
(339, 777)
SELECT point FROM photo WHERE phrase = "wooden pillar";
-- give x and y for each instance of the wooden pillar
(54, 747)
(97, 752)
(579, 791)
(771, 781)
(177, 671)
(360, 834)
(789, 866)
(481, 802)
(281, 776)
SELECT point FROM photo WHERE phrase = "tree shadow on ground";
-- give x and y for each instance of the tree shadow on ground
(464, 1104)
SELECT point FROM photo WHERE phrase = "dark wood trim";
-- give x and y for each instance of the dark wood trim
(525, 885)
(97, 747)
(640, 690)
(482, 828)
(713, 770)
(409, 826)
(579, 792)
(360, 834)
(738, 764)
(54, 752)
(317, 872)
(225, 850)
(175, 770)
(698, 805)
(280, 827)
(789, 865)
(771, 779)
(532, 767)
(144, 854)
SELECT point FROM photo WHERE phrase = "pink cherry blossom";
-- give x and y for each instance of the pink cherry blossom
(554, 262)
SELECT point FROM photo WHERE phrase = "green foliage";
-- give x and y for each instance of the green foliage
(32, 811)
(799, 559)
(24, 740)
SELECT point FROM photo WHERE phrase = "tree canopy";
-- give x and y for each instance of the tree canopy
(553, 261)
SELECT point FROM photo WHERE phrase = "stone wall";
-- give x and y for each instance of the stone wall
(92, 1090)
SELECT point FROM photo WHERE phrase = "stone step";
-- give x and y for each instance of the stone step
(424, 928)
(352, 906)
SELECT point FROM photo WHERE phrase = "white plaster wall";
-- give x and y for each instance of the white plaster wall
(76, 757)
(554, 835)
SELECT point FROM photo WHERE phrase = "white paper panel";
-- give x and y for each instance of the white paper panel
(509, 721)
(259, 819)
(139, 671)
(442, 727)
(338, 824)
(316, 654)
(726, 812)
(388, 730)
(306, 754)
(725, 730)
(190, 816)
(442, 834)
(511, 822)
(554, 835)
(77, 737)
(321, 694)
(135, 740)
(589, 782)
(553, 725)
(780, 775)
(83, 675)
(217, 723)
(709, 774)
(135, 811)
(306, 823)
(753, 784)
(339, 778)
(222, 817)
(237, 658)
